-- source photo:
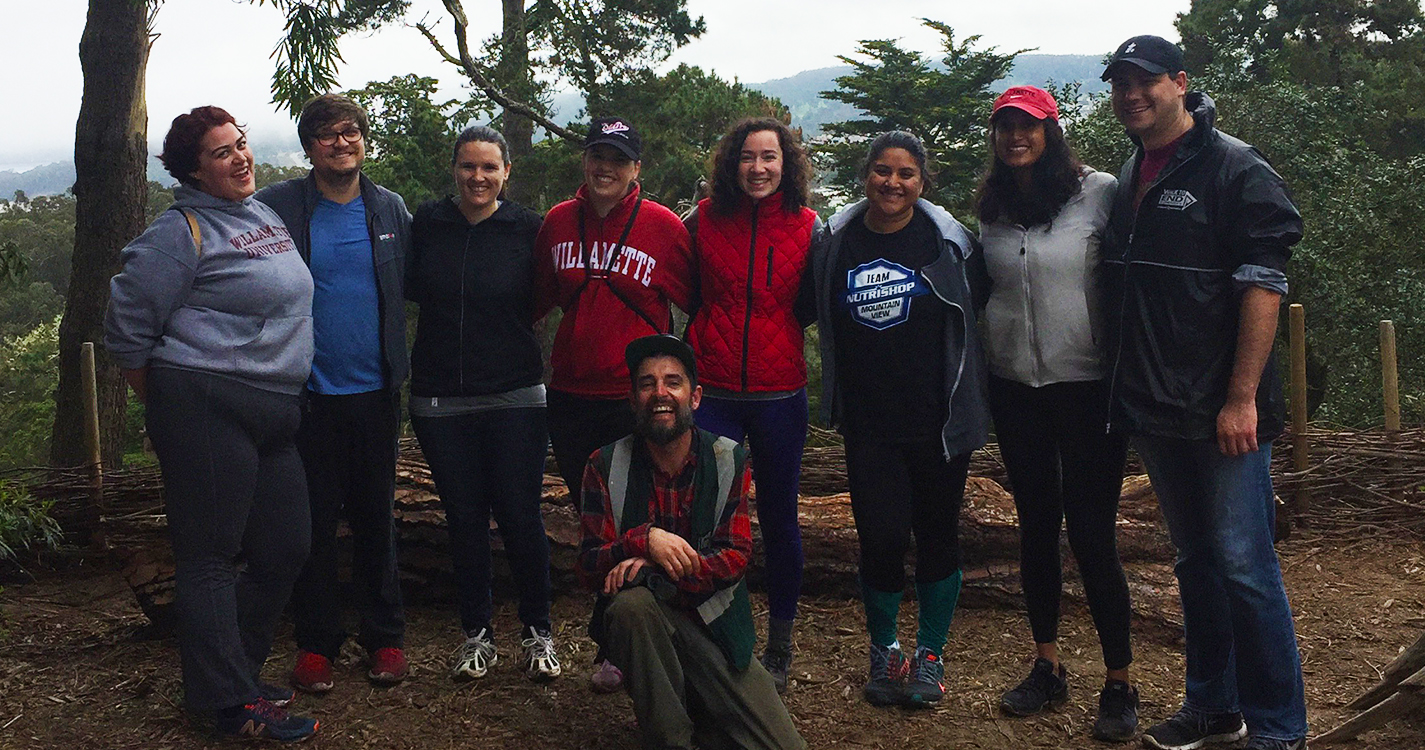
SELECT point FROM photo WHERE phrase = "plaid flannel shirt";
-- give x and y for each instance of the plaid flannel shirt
(670, 509)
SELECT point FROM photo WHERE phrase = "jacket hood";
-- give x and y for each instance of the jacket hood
(1203, 109)
(191, 197)
(949, 228)
(448, 209)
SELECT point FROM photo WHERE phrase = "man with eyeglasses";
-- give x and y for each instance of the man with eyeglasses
(355, 236)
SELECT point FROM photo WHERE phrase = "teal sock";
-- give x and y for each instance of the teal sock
(882, 609)
(937, 609)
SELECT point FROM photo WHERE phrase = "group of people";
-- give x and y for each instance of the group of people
(266, 334)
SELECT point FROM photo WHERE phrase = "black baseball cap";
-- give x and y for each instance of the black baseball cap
(659, 345)
(1151, 53)
(616, 132)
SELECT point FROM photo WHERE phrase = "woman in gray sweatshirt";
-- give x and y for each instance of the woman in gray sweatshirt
(210, 322)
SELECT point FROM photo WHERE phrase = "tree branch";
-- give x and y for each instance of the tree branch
(472, 71)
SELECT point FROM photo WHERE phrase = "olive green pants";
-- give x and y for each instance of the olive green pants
(684, 693)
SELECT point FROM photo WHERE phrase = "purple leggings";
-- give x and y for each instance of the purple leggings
(776, 432)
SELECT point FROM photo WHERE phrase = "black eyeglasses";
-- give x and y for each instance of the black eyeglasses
(350, 135)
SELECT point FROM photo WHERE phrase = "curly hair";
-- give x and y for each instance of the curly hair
(185, 140)
(796, 167)
(1055, 179)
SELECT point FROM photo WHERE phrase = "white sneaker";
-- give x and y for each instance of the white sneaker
(540, 663)
(474, 657)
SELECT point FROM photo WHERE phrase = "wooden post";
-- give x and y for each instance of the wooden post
(91, 423)
(1390, 381)
(1300, 447)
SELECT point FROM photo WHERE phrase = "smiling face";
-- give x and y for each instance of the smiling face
(480, 174)
(1018, 138)
(663, 399)
(337, 151)
(224, 164)
(608, 175)
(759, 170)
(1149, 106)
(893, 184)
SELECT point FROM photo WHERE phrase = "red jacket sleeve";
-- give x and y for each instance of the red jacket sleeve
(601, 546)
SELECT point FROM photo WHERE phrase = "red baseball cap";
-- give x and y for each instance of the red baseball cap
(1037, 102)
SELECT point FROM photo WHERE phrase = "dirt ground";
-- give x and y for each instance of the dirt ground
(77, 670)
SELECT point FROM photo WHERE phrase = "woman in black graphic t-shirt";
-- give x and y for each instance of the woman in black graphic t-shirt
(903, 380)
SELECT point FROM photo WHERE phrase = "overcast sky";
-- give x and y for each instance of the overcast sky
(217, 51)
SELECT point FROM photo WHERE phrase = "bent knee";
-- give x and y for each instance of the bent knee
(632, 605)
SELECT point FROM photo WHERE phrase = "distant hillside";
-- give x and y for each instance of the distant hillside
(801, 92)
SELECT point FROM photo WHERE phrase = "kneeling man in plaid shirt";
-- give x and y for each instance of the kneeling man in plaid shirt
(666, 540)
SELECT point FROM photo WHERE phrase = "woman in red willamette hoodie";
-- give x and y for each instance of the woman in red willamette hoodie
(751, 240)
(614, 262)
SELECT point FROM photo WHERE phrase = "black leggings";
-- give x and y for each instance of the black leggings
(897, 488)
(1066, 471)
(578, 426)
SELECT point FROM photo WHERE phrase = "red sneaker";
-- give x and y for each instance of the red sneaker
(388, 666)
(313, 673)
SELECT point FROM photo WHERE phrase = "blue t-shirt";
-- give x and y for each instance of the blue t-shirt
(346, 315)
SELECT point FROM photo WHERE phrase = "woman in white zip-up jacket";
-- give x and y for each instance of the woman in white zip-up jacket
(1042, 213)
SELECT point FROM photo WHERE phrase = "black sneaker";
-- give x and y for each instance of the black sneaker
(262, 720)
(1189, 729)
(887, 680)
(1117, 712)
(1262, 743)
(778, 663)
(1043, 687)
(925, 683)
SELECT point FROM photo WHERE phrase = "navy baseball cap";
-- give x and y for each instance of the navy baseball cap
(1151, 53)
(659, 345)
(616, 132)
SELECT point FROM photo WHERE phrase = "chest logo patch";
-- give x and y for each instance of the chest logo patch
(1177, 200)
(878, 293)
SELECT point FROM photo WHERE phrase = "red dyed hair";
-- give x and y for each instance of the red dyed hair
(185, 137)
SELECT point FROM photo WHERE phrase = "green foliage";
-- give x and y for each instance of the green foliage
(412, 136)
(1378, 45)
(308, 53)
(267, 174)
(597, 43)
(947, 106)
(25, 523)
(28, 375)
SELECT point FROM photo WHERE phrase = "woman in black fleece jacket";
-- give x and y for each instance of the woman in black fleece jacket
(477, 396)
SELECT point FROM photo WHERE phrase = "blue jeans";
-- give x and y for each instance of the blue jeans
(1241, 643)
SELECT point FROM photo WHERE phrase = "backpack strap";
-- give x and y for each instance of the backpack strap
(193, 230)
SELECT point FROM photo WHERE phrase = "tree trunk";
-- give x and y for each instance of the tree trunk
(110, 156)
(513, 74)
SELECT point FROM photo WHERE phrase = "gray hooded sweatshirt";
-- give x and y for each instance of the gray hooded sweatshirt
(239, 306)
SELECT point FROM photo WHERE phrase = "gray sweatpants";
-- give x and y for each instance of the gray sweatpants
(238, 518)
(683, 690)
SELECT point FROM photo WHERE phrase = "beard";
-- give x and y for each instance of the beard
(660, 434)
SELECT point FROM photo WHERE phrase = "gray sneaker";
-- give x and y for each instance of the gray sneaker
(1189, 729)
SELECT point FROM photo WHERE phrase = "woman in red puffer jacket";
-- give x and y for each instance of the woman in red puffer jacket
(751, 240)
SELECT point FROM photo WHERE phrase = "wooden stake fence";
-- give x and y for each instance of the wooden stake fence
(1390, 381)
